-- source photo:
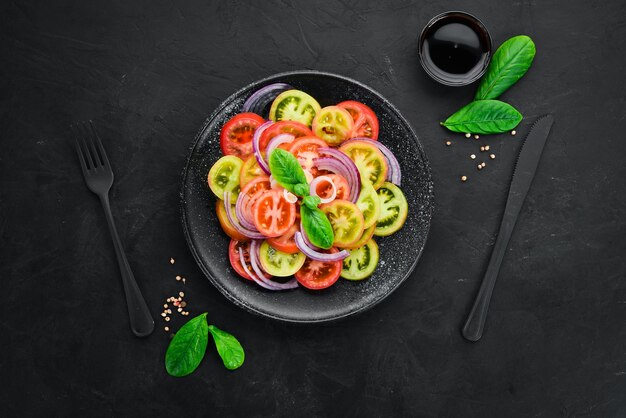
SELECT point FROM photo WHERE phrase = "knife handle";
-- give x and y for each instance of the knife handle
(475, 323)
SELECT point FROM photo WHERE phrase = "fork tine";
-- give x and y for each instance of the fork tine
(82, 133)
(81, 157)
(90, 140)
(103, 154)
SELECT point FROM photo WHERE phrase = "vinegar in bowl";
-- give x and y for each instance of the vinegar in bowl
(455, 48)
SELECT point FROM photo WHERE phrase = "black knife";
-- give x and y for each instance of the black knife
(525, 168)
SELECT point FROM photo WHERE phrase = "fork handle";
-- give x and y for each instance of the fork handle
(141, 322)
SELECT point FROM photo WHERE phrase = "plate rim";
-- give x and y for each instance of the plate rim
(186, 228)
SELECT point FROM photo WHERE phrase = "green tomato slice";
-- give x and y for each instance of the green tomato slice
(224, 176)
(294, 105)
(369, 204)
(361, 262)
(278, 263)
(369, 160)
(346, 220)
(393, 210)
(333, 124)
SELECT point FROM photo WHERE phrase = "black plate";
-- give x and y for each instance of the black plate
(398, 253)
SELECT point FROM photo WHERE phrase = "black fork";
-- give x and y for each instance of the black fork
(99, 178)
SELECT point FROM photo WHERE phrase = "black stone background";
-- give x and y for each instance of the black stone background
(149, 72)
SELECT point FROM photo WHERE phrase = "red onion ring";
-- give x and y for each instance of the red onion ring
(259, 100)
(394, 174)
(254, 255)
(241, 213)
(340, 163)
(235, 223)
(315, 255)
(256, 149)
(318, 180)
(276, 141)
(242, 260)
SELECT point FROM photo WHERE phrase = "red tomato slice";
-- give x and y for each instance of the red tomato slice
(317, 275)
(294, 128)
(305, 150)
(286, 242)
(324, 189)
(365, 120)
(235, 260)
(237, 133)
(272, 214)
(251, 192)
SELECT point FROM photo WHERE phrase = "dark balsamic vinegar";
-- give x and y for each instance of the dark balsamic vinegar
(455, 49)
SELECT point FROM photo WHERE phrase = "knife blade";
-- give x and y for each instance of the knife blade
(523, 174)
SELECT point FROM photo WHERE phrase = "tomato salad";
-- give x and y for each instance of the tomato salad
(303, 194)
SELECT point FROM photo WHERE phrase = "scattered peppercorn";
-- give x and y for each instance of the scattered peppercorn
(482, 149)
(468, 135)
(513, 132)
(493, 156)
(178, 278)
(473, 156)
(166, 329)
(463, 178)
(476, 137)
(172, 261)
(448, 143)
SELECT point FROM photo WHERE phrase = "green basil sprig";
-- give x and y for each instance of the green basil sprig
(229, 349)
(187, 348)
(484, 117)
(509, 63)
(287, 171)
(488, 116)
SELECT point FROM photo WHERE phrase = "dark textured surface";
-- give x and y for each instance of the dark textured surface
(399, 253)
(149, 73)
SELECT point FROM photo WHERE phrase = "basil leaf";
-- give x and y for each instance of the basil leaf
(311, 202)
(286, 170)
(509, 63)
(484, 117)
(187, 348)
(301, 189)
(229, 349)
(317, 227)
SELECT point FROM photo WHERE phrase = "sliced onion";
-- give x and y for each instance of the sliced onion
(316, 255)
(241, 213)
(394, 174)
(254, 277)
(340, 163)
(259, 100)
(254, 257)
(276, 141)
(256, 149)
(289, 197)
(318, 180)
(235, 223)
